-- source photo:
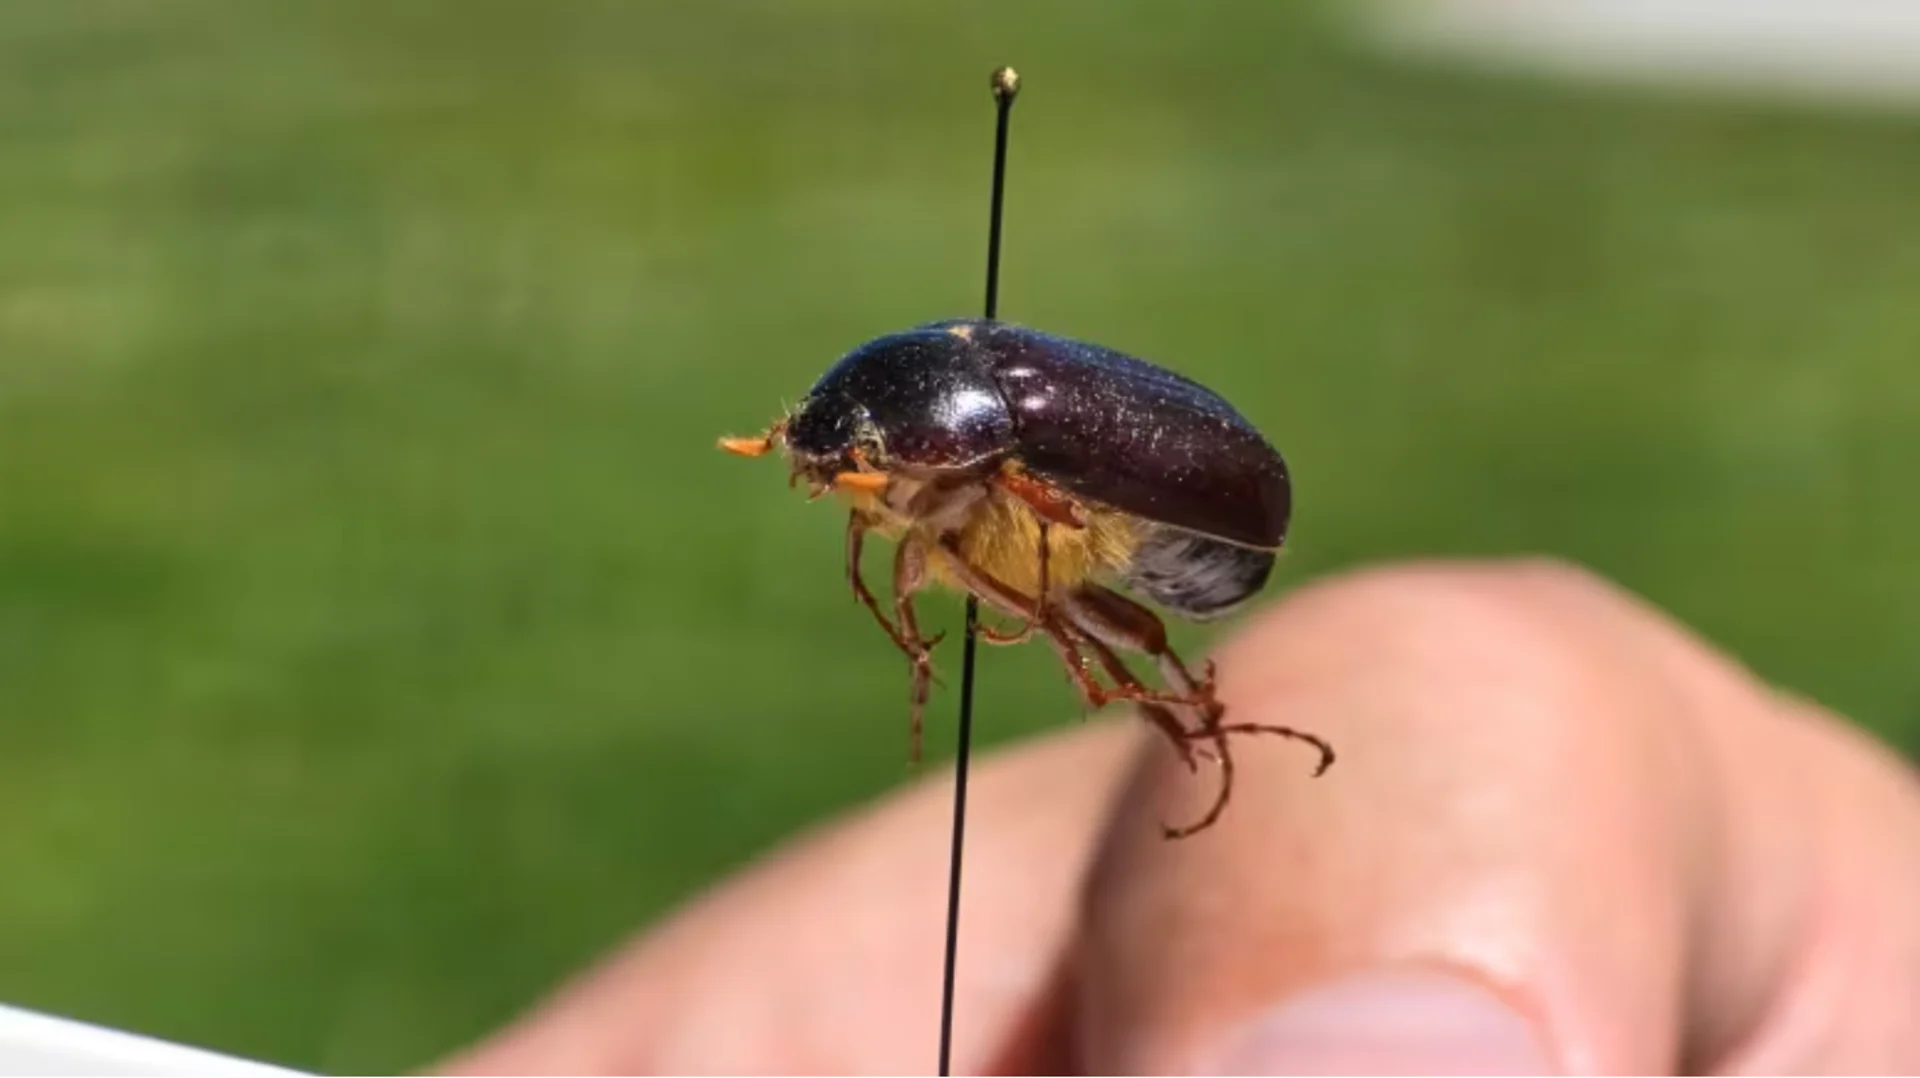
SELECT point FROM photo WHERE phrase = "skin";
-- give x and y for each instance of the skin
(1549, 796)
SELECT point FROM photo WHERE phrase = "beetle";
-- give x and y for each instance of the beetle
(1035, 472)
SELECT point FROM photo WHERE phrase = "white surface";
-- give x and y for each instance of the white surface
(1860, 51)
(38, 1044)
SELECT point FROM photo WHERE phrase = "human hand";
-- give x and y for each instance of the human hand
(1562, 837)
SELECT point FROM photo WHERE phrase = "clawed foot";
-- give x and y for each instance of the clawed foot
(1216, 734)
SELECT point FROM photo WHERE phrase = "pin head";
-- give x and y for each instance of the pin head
(1006, 83)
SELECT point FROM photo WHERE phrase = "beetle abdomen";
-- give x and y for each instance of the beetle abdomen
(1195, 575)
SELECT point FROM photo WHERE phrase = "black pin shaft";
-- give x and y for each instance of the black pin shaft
(1006, 84)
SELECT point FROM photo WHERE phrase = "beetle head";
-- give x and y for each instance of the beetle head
(831, 434)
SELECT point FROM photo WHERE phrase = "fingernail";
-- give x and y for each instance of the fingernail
(1389, 1023)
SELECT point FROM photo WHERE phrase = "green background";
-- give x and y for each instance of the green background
(381, 635)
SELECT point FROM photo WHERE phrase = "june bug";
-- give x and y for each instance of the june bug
(1034, 471)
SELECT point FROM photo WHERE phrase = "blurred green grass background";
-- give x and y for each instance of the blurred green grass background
(381, 636)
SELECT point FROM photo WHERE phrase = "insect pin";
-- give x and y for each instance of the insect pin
(1042, 476)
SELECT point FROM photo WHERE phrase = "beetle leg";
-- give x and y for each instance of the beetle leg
(991, 635)
(1022, 634)
(1220, 798)
(909, 575)
(857, 525)
(1050, 505)
(1067, 640)
(1158, 714)
(1114, 619)
(1066, 643)
(1217, 733)
(1048, 502)
(1181, 737)
(982, 584)
(1065, 636)
(1012, 603)
(1108, 618)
